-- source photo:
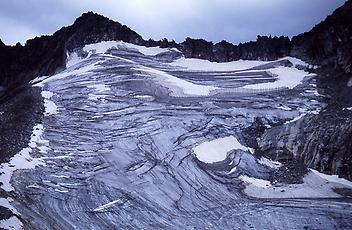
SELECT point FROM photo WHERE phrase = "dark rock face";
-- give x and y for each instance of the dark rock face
(291, 172)
(322, 142)
(92, 28)
(18, 116)
(197, 48)
(265, 48)
(225, 51)
(328, 43)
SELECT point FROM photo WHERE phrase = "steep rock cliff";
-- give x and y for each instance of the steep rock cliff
(329, 43)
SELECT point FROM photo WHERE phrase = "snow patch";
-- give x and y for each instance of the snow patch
(332, 178)
(296, 118)
(217, 150)
(232, 170)
(312, 92)
(186, 87)
(295, 61)
(349, 83)
(99, 88)
(143, 96)
(315, 185)
(37, 80)
(205, 65)
(254, 181)
(5, 202)
(11, 223)
(41, 81)
(72, 59)
(286, 77)
(269, 163)
(50, 106)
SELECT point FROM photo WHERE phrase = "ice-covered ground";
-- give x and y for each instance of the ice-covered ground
(123, 128)
(21, 161)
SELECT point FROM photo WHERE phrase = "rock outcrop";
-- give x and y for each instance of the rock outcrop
(329, 43)
(322, 142)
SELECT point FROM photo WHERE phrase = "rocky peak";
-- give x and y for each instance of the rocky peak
(197, 48)
(225, 51)
(91, 17)
(91, 27)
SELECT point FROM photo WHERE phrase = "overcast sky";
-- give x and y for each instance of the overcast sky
(215, 20)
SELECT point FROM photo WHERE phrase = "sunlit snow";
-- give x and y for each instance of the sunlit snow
(217, 150)
(175, 83)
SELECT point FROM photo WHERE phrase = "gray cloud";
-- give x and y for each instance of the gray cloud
(236, 21)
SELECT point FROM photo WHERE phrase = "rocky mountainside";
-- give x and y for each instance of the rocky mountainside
(330, 42)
